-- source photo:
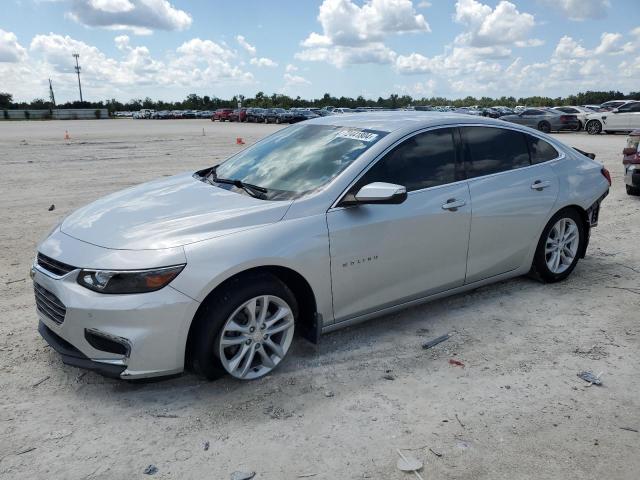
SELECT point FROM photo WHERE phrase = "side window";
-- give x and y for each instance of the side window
(635, 107)
(533, 112)
(491, 150)
(424, 160)
(541, 151)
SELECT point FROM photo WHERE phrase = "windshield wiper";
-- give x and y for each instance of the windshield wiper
(247, 187)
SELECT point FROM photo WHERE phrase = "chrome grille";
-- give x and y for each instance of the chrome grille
(54, 266)
(48, 304)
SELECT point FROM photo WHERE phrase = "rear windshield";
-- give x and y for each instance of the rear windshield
(298, 159)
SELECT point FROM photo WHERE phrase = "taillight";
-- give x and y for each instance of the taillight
(606, 174)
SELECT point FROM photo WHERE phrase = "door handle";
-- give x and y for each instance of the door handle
(540, 185)
(453, 204)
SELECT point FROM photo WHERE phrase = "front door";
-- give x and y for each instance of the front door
(383, 255)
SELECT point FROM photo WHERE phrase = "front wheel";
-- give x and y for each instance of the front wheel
(594, 127)
(635, 191)
(245, 329)
(559, 246)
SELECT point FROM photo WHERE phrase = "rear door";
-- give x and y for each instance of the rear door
(511, 197)
(382, 255)
(626, 118)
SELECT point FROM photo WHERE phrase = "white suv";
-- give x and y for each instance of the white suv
(625, 118)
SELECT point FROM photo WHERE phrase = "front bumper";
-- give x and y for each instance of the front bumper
(152, 328)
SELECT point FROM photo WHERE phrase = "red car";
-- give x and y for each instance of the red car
(238, 115)
(222, 114)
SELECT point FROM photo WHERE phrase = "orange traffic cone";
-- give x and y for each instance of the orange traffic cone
(66, 135)
(239, 141)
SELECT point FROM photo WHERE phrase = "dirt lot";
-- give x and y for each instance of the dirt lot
(339, 410)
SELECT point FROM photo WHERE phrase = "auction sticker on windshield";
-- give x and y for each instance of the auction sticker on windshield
(356, 134)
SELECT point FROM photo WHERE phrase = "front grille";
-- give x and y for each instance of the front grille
(48, 304)
(54, 266)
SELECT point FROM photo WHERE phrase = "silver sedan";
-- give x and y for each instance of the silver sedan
(321, 225)
(544, 119)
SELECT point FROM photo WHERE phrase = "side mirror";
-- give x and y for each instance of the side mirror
(381, 193)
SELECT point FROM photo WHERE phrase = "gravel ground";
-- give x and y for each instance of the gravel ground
(338, 410)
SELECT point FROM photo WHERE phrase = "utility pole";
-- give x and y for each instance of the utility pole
(51, 97)
(78, 72)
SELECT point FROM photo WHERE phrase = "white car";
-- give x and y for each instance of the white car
(320, 225)
(625, 118)
(580, 112)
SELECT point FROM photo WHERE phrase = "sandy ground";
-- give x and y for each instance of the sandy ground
(517, 409)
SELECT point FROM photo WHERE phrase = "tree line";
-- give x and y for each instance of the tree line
(206, 102)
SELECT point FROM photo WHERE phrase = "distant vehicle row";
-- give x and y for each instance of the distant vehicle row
(609, 117)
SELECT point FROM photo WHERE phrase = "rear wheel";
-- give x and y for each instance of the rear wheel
(579, 127)
(544, 127)
(559, 246)
(632, 190)
(245, 329)
(594, 127)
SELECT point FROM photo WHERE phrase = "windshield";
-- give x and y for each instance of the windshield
(298, 159)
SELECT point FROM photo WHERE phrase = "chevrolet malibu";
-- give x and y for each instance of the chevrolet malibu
(319, 226)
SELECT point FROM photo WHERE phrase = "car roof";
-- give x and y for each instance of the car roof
(402, 120)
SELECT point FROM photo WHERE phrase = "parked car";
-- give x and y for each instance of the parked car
(580, 113)
(215, 269)
(222, 114)
(622, 119)
(544, 119)
(285, 117)
(255, 114)
(631, 163)
(342, 110)
(302, 115)
(611, 104)
(593, 108)
(238, 115)
(272, 115)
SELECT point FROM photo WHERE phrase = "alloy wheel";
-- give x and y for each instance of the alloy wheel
(561, 246)
(256, 337)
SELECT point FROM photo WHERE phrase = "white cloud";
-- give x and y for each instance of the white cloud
(295, 80)
(10, 50)
(138, 16)
(112, 6)
(340, 56)
(578, 10)
(424, 4)
(354, 34)
(503, 25)
(246, 45)
(263, 62)
(568, 48)
(290, 68)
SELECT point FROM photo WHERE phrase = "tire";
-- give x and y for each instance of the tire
(208, 357)
(544, 267)
(635, 191)
(544, 127)
(579, 127)
(593, 127)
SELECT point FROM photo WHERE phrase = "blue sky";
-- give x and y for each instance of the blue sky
(454, 48)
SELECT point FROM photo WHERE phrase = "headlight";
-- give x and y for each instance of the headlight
(128, 281)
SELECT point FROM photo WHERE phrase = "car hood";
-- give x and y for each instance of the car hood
(169, 213)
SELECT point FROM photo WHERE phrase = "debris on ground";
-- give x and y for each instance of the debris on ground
(589, 377)
(15, 281)
(307, 475)
(52, 207)
(329, 394)
(206, 446)
(629, 429)
(436, 341)
(456, 363)
(26, 450)
(436, 453)
(42, 380)
(242, 475)
(150, 470)
(459, 421)
(388, 376)
(409, 464)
